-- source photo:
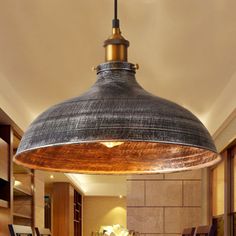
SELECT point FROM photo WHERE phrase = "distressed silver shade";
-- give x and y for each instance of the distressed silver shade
(154, 134)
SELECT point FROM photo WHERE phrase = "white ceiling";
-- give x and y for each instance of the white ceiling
(186, 51)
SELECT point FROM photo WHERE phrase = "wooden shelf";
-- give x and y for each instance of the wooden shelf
(21, 192)
(21, 216)
(77, 213)
(23, 195)
(8, 145)
(4, 203)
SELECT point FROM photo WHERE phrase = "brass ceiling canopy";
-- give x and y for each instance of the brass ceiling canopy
(117, 127)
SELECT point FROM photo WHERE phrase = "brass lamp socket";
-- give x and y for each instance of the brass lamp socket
(116, 47)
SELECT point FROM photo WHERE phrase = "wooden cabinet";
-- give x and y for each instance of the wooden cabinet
(23, 196)
(4, 174)
(17, 184)
(4, 160)
(5, 184)
(67, 210)
(5, 178)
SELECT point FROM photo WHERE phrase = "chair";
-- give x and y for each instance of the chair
(133, 233)
(205, 230)
(188, 231)
(20, 230)
(42, 232)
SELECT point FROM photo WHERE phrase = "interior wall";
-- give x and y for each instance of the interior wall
(100, 211)
(164, 204)
(39, 199)
(218, 185)
(226, 133)
(5, 219)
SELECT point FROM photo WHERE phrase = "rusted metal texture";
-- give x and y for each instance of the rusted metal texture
(156, 135)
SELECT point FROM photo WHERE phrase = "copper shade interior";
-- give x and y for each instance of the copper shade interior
(127, 158)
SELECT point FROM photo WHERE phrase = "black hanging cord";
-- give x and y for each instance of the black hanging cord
(115, 21)
(115, 9)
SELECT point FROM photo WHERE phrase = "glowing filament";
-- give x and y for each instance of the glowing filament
(111, 144)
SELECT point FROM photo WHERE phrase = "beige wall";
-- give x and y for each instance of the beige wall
(39, 199)
(99, 211)
(218, 185)
(165, 204)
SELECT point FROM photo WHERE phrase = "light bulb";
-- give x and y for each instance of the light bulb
(111, 144)
(51, 176)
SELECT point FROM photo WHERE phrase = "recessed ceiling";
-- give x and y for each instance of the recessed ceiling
(89, 185)
(186, 50)
(100, 185)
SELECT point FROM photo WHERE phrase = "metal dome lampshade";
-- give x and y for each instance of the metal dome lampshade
(117, 127)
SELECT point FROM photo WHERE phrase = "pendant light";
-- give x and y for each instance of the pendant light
(116, 127)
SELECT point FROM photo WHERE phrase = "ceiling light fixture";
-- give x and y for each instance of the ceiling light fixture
(117, 127)
(17, 183)
(51, 176)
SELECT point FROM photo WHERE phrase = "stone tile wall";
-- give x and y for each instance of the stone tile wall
(164, 204)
